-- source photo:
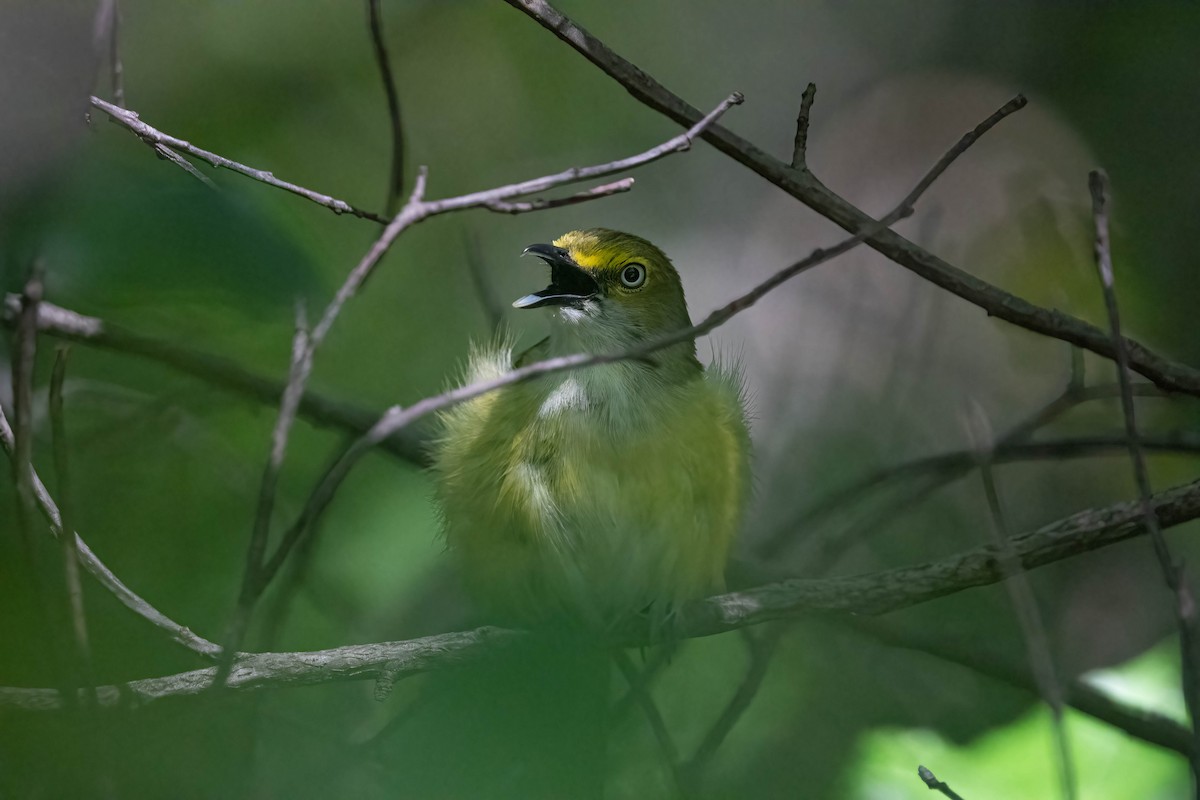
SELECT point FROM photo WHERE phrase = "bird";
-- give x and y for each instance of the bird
(589, 496)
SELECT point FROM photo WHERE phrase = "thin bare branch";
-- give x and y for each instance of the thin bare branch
(762, 650)
(156, 138)
(875, 593)
(802, 185)
(106, 41)
(1012, 447)
(658, 726)
(800, 146)
(256, 552)
(1173, 574)
(70, 552)
(24, 356)
(1020, 593)
(103, 575)
(932, 782)
(1137, 721)
(167, 154)
(379, 45)
(220, 372)
(524, 207)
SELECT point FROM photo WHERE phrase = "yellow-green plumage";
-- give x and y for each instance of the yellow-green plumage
(598, 493)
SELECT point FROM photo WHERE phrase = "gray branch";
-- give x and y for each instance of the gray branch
(876, 593)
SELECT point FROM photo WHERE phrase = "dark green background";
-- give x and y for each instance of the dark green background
(855, 367)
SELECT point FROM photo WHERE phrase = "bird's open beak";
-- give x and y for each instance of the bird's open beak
(569, 284)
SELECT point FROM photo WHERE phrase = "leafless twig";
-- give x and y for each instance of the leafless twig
(762, 649)
(70, 552)
(932, 782)
(103, 575)
(940, 470)
(800, 146)
(522, 207)
(252, 572)
(24, 355)
(106, 40)
(161, 141)
(379, 45)
(1173, 574)
(658, 726)
(1020, 592)
(1137, 721)
(223, 373)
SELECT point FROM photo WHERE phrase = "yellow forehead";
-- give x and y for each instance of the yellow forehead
(600, 250)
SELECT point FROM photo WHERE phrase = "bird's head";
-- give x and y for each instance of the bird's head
(610, 286)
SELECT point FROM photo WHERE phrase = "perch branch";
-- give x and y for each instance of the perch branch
(875, 593)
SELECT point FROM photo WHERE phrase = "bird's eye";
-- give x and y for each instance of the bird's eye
(633, 275)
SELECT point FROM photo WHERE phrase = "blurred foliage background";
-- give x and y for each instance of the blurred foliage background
(854, 367)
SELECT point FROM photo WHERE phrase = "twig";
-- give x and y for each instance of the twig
(256, 552)
(103, 575)
(604, 190)
(762, 649)
(658, 726)
(807, 189)
(21, 452)
(1020, 592)
(947, 467)
(70, 552)
(1173, 574)
(106, 38)
(167, 154)
(932, 782)
(24, 356)
(875, 593)
(800, 146)
(396, 181)
(156, 138)
(1136, 721)
(223, 373)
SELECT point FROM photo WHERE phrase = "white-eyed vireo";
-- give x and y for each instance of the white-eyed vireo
(599, 493)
